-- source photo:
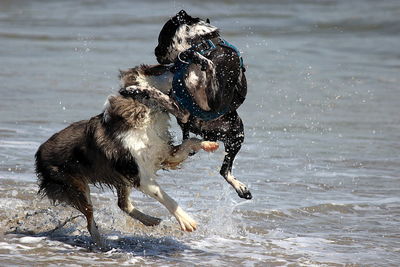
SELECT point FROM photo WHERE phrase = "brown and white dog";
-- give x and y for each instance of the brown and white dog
(122, 147)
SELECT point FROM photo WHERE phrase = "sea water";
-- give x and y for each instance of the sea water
(321, 153)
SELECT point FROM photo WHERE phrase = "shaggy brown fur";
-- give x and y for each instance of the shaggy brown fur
(100, 151)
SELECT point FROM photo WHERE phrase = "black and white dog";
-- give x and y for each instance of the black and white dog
(208, 85)
(122, 147)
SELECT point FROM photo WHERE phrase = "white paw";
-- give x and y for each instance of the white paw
(209, 146)
(186, 223)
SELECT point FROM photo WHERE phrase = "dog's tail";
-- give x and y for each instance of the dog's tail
(55, 184)
(48, 186)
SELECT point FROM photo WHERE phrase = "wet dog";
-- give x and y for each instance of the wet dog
(208, 84)
(122, 147)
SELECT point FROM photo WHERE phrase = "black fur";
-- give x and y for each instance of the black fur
(102, 151)
(85, 150)
(230, 91)
(226, 88)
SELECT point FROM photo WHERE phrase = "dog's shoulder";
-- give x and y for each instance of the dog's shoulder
(126, 112)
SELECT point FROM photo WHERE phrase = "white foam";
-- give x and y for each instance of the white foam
(4, 245)
(24, 247)
(13, 247)
(30, 239)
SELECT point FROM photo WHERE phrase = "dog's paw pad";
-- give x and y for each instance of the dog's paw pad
(209, 146)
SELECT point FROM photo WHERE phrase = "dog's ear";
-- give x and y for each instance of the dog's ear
(122, 73)
(208, 20)
(182, 13)
(181, 18)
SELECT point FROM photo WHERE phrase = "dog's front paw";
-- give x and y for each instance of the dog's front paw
(186, 223)
(134, 92)
(209, 146)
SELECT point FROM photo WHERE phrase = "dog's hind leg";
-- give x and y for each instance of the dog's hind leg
(80, 199)
(151, 188)
(125, 204)
(231, 150)
(233, 143)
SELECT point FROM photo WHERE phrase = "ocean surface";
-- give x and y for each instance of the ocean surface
(321, 155)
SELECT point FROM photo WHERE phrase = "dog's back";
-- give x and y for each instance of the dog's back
(90, 152)
(122, 148)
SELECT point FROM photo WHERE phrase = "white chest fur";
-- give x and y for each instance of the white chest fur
(149, 144)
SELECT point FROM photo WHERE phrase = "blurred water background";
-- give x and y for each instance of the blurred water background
(321, 155)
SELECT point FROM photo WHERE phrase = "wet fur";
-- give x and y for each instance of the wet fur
(121, 148)
(222, 84)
